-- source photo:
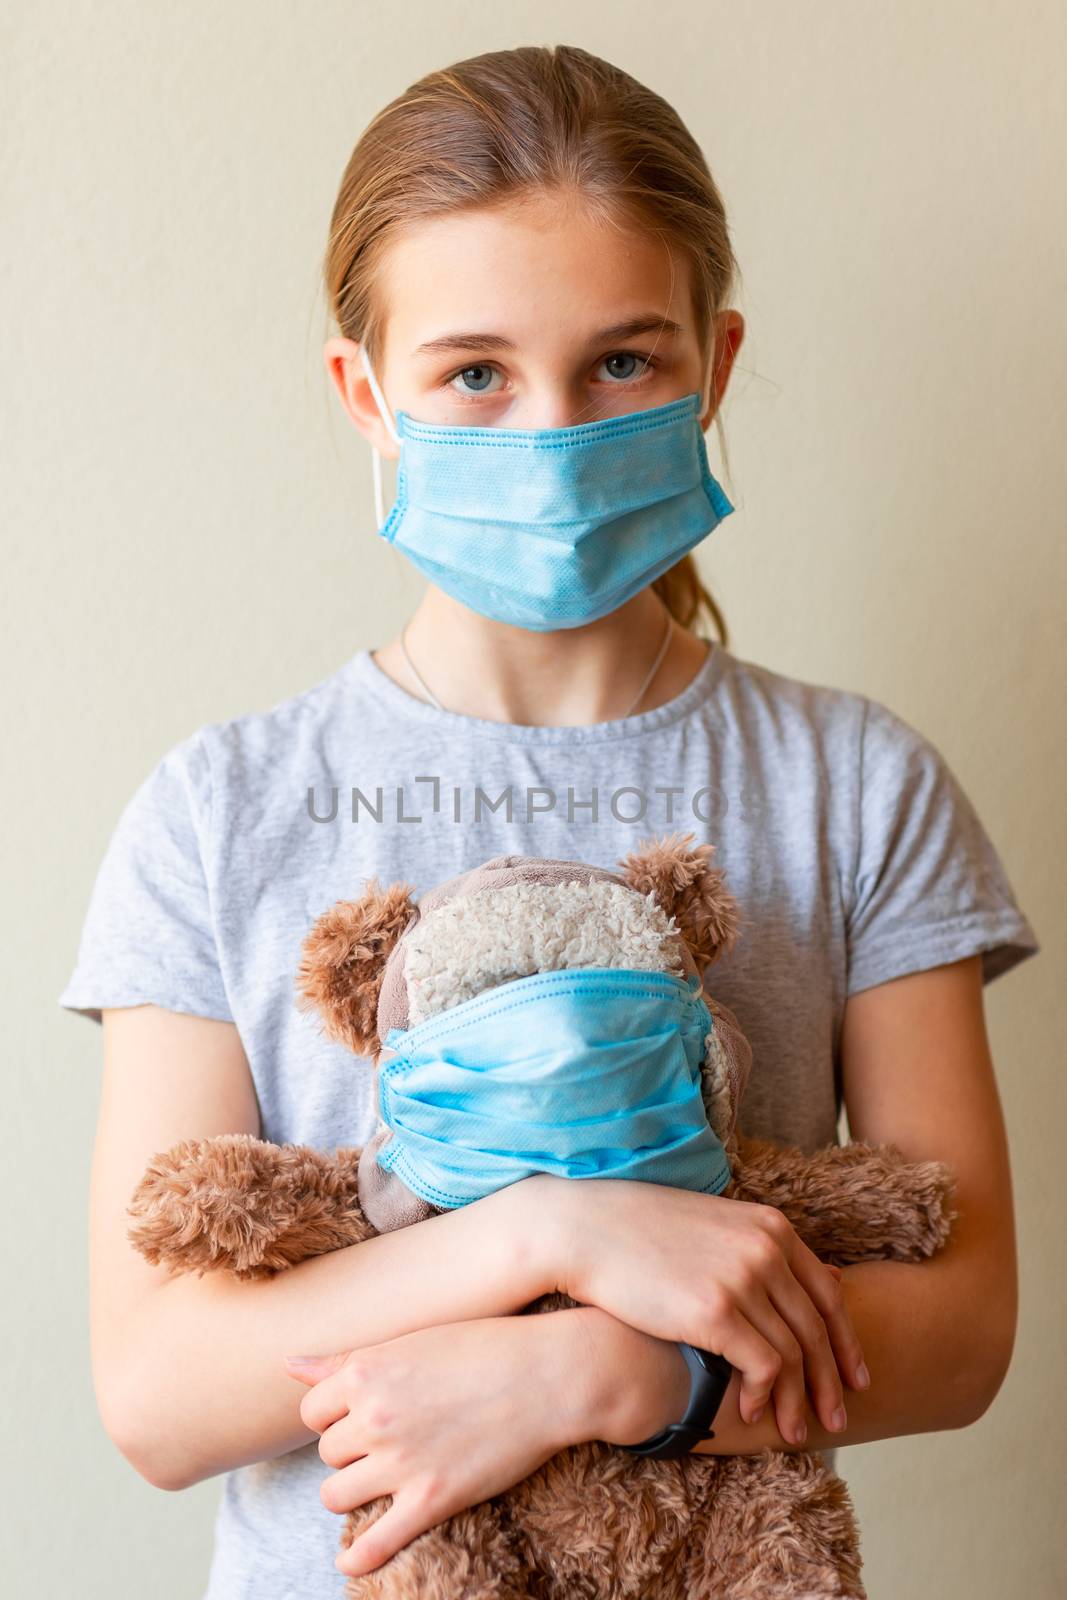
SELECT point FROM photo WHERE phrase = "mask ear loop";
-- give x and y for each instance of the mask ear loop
(379, 506)
(387, 417)
(707, 387)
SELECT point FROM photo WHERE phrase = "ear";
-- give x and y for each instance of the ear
(343, 959)
(688, 888)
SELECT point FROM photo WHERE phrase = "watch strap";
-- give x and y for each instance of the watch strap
(709, 1378)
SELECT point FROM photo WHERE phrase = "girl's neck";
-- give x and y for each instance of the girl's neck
(572, 677)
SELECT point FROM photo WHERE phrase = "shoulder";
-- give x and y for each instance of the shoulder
(785, 710)
(236, 753)
(817, 756)
(845, 719)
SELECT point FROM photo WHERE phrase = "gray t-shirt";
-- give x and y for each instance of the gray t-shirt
(853, 851)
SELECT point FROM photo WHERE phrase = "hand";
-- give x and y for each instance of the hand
(441, 1419)
(727, 1275)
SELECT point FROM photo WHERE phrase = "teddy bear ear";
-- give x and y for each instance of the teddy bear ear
(688, 888)
(343, 960)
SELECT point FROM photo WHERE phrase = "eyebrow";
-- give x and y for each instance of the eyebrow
(629, 329)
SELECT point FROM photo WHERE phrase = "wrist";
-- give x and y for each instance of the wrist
(545, 1229)
(521, 1240)
(627, 1384)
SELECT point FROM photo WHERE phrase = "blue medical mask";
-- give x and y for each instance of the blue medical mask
(587, 1072)
(549, 528)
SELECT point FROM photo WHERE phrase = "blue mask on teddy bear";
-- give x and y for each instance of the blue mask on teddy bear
(588, 1072)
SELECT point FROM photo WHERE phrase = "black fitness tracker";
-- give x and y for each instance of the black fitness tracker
(709, 1379)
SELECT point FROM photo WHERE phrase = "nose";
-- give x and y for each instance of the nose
(555, 405)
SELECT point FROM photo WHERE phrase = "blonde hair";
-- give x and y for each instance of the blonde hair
(513, 122)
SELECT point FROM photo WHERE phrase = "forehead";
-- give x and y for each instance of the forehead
(533, 271)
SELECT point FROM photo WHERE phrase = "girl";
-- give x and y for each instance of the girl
(531, 240)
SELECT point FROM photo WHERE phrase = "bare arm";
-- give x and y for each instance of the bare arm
(937, 1335)
(188, 1371)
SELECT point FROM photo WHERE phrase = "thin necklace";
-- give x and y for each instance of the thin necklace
(635, 701)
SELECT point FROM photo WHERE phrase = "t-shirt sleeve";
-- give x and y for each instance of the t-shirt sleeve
(148, 936)
(929, 886)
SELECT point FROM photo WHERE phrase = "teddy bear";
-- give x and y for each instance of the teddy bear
(594, 1521)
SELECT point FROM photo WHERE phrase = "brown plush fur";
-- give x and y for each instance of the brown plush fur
(343, 960)
(690, 889)
(594, 1522)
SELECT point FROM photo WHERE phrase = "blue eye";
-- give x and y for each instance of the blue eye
(475, 380)
(482, 373)
(624, 356)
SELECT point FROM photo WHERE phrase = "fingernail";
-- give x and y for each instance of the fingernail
(838, 1420)
(801, 1432)
(303, 1361)
(863, 1377)
(758, 1413)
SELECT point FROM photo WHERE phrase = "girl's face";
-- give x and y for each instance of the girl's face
(532, 315)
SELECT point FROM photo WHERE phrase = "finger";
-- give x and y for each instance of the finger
(830, 1302)
(734, 1335)
(409, 1515)
(786, 1383)
(312, 1369)
(808, 1327)
(339, 1445)
(355, 1485)
(324, 1404)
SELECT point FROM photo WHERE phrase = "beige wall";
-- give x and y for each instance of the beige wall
(188, 535)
